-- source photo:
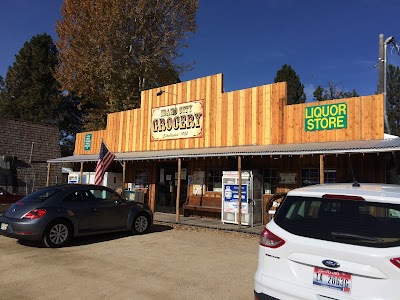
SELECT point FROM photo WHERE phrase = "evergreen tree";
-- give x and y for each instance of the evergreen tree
(2, 84)
(393, 99)
(110, 51)
(295, 89)
(31, 93)
(319, 93)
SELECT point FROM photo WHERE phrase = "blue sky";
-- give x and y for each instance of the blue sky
(248, 41)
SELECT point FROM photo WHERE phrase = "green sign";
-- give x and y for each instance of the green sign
(88, 141)
(326, 117)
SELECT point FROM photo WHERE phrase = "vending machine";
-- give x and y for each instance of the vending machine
(251, 197)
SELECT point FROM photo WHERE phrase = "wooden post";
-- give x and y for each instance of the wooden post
(48, 174)
(178, 190)
(152, 195)
(123, 178)
(240, 193)
(81, 175)
(321, 169)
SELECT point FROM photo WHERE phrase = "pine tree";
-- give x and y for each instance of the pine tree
(319, 93)
(2, 84)
(393, 99)
(111, 50)
(295, 89)
(31, 93)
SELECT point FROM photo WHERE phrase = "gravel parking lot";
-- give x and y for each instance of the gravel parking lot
(167, 263)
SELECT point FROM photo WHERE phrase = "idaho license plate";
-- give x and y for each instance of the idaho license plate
(4, 226)
(332, 279)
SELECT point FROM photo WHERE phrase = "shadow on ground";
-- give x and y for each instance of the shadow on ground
(99, 238)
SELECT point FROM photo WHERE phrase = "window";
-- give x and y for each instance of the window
(41, 195)
(363, 223)
(311, 176)
(105, 196)
(270, 180)
(214, 180)
(79, 196)
(142, 178)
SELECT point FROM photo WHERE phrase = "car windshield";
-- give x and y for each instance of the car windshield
(41, 195)
(345, 221)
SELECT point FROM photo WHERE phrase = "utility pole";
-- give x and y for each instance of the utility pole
(380, 65)
(383, 60)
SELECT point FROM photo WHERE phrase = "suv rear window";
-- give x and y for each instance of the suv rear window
(345, 221)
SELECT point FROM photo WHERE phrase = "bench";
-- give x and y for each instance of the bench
(208, 205)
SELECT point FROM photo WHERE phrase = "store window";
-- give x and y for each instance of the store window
(142, 178)
(269, 181)
(311, 176)
(214, 180)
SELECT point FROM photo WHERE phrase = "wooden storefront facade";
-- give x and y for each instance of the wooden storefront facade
(190, 122)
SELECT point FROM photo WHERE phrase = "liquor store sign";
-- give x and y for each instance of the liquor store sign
(178, 121)
(326, 117)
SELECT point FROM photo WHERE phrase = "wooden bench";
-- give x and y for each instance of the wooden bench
(208, 205)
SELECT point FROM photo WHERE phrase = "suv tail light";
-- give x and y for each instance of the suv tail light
(396, 261)
(35, 214)
(270, 240)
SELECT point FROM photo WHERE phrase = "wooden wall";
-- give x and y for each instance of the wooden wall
(364, 122)
(253, 116)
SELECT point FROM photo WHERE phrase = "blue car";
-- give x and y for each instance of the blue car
(54, 215)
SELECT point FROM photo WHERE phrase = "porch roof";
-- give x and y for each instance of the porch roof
(346, 147)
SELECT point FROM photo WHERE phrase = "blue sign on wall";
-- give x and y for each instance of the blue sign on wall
(231, 192)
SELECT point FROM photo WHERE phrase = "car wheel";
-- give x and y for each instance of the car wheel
(57, 234)
(140, 224)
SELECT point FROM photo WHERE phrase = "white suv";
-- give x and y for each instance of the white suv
(332, 241)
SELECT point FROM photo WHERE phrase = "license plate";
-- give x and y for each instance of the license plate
(332, 279)
(4, 226)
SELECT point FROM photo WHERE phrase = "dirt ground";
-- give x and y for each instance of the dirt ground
(167, 263)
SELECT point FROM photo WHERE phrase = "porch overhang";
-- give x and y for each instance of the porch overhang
(345, 147)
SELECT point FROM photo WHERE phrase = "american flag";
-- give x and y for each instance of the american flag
(106, 157)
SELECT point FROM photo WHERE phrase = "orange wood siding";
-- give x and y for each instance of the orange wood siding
(254, 116)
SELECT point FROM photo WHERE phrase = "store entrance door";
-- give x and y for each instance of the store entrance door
(166, 189)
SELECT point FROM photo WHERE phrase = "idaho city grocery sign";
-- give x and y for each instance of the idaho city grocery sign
(326, 117)
(178, 121)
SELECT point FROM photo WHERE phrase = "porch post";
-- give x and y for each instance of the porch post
(48, 174)
(81, 175)
(152, 195)
(240, 193)
(178, 191)
(123, 177)
(321, 169)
